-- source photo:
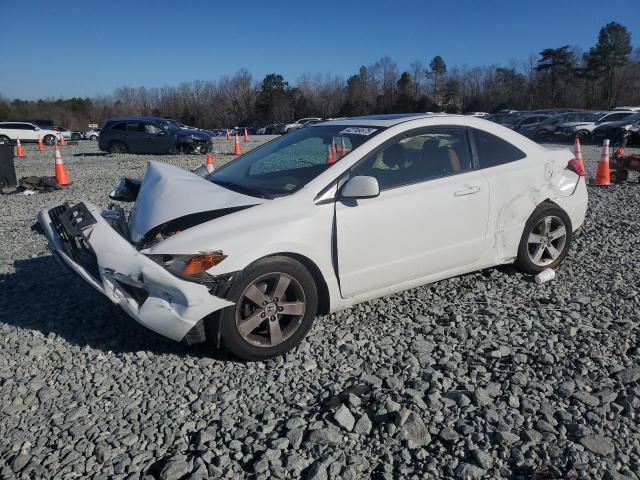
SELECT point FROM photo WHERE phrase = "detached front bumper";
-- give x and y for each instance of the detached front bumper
(104, 259)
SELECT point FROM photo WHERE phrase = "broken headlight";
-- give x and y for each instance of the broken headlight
(190, 267)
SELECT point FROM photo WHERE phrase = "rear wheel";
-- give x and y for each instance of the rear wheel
(117, 147)
(546, 239)
(584, 135)
(49, 140)
(275, 303)
(4, 139)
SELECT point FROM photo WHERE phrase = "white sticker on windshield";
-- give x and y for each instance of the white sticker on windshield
(359, 130)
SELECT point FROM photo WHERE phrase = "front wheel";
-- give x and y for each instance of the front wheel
(5, 140)
(546, 239)
(117, 147)
(584, 135)
(275, 303)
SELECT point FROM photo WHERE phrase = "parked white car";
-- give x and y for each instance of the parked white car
(290, 127)
(251, 253)
(92, 134)
(66, 133)
(26, 132)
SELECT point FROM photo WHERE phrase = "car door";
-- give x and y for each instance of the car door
(157, 139)
(430, 217)
(26, 132)
(136, 137)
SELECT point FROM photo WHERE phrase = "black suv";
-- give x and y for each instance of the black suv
(151, 135)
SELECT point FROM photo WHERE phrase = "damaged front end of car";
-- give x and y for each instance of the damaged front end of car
(169, 294)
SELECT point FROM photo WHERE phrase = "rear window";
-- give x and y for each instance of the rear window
(493, 151)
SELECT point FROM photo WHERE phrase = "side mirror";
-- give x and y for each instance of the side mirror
(360, 187)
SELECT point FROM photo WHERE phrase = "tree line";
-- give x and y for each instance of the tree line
(606, 75)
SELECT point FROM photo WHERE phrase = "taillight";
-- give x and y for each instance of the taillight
(576, 167)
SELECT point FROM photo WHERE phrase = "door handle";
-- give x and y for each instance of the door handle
(467, 191)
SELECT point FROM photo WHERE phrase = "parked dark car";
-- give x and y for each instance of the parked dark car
(151, 135)
(614, 131)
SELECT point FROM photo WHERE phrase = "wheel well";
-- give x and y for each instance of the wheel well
(324, 303)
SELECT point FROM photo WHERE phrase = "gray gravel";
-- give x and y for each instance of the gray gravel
(484, 376)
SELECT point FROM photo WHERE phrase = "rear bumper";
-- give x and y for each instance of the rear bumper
(143, 289)
(575, 204)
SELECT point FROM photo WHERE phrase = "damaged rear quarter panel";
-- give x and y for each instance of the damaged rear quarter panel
(546, 168)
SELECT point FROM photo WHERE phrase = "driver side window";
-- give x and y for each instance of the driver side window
(152, 129)
(427, 155)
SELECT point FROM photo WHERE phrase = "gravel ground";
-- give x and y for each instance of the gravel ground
(483, 376)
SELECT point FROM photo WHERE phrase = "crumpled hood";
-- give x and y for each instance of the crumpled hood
(169, 192)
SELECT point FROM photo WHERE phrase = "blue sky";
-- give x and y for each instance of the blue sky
(85, 48)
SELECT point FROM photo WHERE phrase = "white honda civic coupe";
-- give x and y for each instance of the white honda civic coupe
(318, 220)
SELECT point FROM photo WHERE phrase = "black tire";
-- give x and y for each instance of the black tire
(5, 140)
(93, 137)
(49, 140)
(294, 328)
(527, 249)
(584, 135)
(118, 147)
(75, 136)
(184, 149)
(542, 136)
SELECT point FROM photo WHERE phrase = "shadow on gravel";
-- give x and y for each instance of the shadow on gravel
(92, 154)
(41, 295)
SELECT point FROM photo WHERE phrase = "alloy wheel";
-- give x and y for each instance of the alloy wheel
(547, 240)
(270, 309)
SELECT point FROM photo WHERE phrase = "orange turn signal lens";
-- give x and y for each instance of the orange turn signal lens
(200, 263)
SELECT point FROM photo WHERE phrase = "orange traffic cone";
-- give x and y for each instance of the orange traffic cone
(62, 178)
(228, 136)
(331, 154)
(603, 176)
(209, 163)
(19, 149)
(61, 141)
(246, 136)
(236, 149)
(339, 149)
(578, 154)
(40, 144)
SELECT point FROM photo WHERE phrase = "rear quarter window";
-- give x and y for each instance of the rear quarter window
(493, 151)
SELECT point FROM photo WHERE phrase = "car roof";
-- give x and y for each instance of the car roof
(140, 118)
(385, 120)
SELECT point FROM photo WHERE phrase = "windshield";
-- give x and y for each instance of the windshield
(288, 163)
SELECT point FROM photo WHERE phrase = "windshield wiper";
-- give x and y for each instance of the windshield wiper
(242, 188)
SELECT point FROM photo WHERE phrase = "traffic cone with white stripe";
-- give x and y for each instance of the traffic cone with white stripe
(603, 175)
(331, 154)
(40, 144)
(62, 177)
(236, 149)
(246, 136)
(19, 149)
(578, 154)
(209, 163)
